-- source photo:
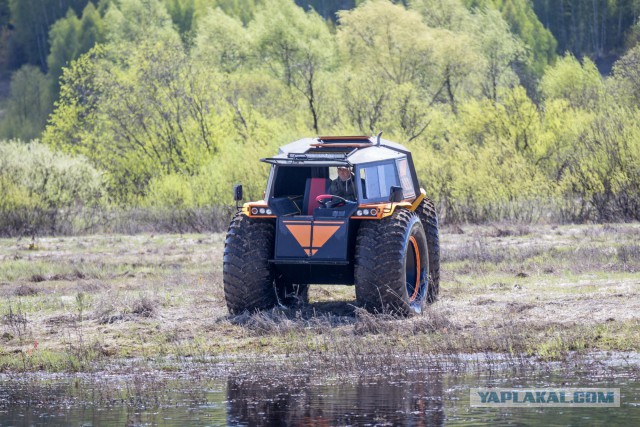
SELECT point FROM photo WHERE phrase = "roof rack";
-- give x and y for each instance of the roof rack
(328, 159)
(358, 141)
(333, 139)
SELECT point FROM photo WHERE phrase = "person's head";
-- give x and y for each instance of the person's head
(344, 173)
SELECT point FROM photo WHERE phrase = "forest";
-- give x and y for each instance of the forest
(515, 110)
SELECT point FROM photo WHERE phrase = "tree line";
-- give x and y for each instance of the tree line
(168, 103)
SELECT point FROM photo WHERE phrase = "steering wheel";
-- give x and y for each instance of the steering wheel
(327, 200)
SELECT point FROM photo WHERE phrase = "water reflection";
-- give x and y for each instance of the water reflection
(416, 400)
(206, 398)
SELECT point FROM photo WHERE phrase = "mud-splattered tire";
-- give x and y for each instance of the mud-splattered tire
(246, 274)
(391, 264)
(427, 213)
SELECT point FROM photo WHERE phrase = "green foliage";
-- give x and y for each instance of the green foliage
(387, 39)
(626, 81)
(449, 14)
(502, 51)
(241, 9)
(28, 105)
(182, 14)
(172, 191)
(397, 64)
(175, 121)
(540, 43)
(39, 188)
(64, 43)
(235, 163)
(632, 36)
(131, 22)
(297, 48)
(483, 170)
(524, 22)
(186, 14)
(149, 113)
(589, 28)
(32, 20)
(221, 43)
(580, 85)
(70, 37)
(607, 177)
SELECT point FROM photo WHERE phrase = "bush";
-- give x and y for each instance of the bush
(42, 191)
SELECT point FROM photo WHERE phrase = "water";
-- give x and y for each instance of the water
(210, 398)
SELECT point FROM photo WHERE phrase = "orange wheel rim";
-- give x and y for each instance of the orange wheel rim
(416, 288)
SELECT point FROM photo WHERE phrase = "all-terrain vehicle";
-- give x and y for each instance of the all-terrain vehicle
(384, 241)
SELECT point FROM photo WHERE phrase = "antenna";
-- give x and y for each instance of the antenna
(378, 142)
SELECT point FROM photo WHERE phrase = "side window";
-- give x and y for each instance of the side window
(378, 180)
(405, 178)
(363, 186)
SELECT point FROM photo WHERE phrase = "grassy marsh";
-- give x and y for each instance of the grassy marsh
(79, 303)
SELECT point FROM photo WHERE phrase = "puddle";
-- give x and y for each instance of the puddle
(267, 397)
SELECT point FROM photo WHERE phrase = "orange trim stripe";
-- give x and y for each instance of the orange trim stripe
(417, 202)
(416, 289)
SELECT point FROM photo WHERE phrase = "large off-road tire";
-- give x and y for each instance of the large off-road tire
(427, 213)
(391, 264)
(246, 273)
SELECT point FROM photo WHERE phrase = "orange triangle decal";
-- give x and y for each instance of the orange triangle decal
(322, 233)
(302, 234)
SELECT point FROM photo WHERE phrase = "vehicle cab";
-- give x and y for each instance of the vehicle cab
(303, 170)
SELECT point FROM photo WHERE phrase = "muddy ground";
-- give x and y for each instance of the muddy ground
(541, 292)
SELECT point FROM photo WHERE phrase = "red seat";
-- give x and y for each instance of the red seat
(314, 188)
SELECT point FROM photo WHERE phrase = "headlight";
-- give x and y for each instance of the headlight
(366, 211)
(359, 213)
(269, 212)
(373, 212)
(254, 211)
(262, 211)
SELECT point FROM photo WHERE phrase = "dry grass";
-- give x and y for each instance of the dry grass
(543, 291)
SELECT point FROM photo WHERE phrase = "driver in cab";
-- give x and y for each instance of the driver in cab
(344, 185)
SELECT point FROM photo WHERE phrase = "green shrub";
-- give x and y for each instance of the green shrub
(173, 191)
(43, 191)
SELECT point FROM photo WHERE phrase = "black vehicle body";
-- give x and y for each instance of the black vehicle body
(308, 236)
